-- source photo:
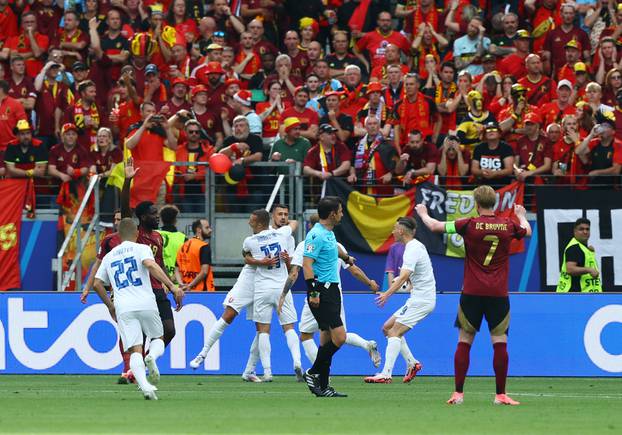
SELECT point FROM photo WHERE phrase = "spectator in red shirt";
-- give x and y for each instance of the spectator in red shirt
(309, 119)
(373, 43)
(558, 38)
(71, 39)
(262, 45)
(299, 61)
(179, 17)
(560, 107)
(29, 44)
(247, 61)
(514, 64)
(148, 138)
(613, 83)
(8, 21)
(68, 161)
(270, 113)
(604, 59)
(572, 51)
(25, 157)
(418, 159)
(533, 153)
(566, 164)
(208, 119)
(178, 100)
(329, 157)
(354, 91)
(22, 87)
(540, 89)
(11, 111)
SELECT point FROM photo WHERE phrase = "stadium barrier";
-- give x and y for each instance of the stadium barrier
(551, 335)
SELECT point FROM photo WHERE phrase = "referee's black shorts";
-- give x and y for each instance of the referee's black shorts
(328, 314)
(474, 308)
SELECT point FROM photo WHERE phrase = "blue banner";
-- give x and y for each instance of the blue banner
(550, 335)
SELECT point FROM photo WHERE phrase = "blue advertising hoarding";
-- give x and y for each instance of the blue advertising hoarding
(550, 335)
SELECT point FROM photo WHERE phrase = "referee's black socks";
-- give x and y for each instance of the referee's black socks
(322, 363)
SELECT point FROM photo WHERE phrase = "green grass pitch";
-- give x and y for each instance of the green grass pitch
(225, 404)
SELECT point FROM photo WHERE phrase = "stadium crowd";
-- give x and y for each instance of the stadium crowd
(384, 95)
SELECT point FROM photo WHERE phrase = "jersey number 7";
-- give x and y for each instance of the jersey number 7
(122, 277)
(493, 248)
(274, 250)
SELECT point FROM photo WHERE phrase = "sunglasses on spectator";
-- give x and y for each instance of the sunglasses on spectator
(194, 132)
(219, 34)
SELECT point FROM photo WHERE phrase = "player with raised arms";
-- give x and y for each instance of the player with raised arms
(416, 269)
(127, 269)
(487, 239)
(308, 325)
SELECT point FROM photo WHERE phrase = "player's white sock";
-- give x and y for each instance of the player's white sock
(138, 369)
(356, 340)
(294, 346)
(156, 348)
(264, 352)
(253, 355)
(310, 349)
(214, 334)
(407, 354)
(393, 350)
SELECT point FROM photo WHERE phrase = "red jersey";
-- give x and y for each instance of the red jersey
(551, 113)
(307, 118)
(514, 65)
(532, 153)
(541, 92)
(11, 111)
(271, 122)
(557, 39)
(300, 62)
(104, 162)
(419, 158)
(21, 44)
(77, 157)
(153, 239)
(210, 121)
(8, 23)
(487, 246)
(252, 66)
(375, 44)
(415, 115)
(52, 95)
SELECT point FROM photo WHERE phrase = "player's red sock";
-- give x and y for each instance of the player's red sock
(500, 364)
(126, 357)
(461, 364)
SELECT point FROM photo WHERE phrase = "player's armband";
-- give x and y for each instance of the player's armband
(450, 227)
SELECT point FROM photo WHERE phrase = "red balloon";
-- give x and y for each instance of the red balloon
(219, 163)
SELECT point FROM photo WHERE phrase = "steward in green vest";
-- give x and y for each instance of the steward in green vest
(171, 238)
(579, 267)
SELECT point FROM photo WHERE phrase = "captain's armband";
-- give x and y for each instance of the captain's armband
(450, 227)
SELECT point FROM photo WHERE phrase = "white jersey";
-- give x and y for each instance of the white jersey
(299, 254)
(269, 243)
(417, 262)
(123, 269)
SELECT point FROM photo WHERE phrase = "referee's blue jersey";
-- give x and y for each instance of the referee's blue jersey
(321, 245)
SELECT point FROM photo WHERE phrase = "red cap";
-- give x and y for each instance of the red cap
(533, 117)
(374, 87)
(230, 82)
(300, 88)
(197, 89)
(213, 68)
(333, 93)
(179, 81)
(68, 126)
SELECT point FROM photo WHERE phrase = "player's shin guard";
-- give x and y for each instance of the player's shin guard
(393, 350)
(461, 364)
(253, 355)
(156, 348)
(356, 340)
(138, 368)
(294, 346)
(322, 363)
(500, 364)
(310, 350)
(264, 352)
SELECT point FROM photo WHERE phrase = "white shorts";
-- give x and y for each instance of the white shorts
(308, 324)
(266, 302)
(241, 295)
(133, 324)
(414, 311)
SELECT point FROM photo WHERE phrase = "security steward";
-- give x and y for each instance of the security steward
(579, 267)
(194, 259)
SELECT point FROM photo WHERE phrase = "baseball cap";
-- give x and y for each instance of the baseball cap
(491, 126)
(580, 67)
(151, 69)
(214, 68)
(333, 93)
(197, 89)
(327, 128)
(213, 46)
(291, 122)
(68, 126)
(564, 82)
(22, 125)
(533, 117)
(374, 87)
(573, 43)
(79, 66)
(523, 34)
(230, 82)
(179, 81)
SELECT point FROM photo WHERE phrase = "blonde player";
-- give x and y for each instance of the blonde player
(126, 268)
(308, 325)
(417, 268)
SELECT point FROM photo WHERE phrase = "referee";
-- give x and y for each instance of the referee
(321, 272)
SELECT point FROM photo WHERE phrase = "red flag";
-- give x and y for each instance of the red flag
(148, 181)
(357, 20)
(509, 195)
(12, 196)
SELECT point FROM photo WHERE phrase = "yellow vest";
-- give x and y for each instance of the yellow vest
(588, 283)
(171, 244)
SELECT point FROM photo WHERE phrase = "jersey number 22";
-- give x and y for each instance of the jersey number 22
(122, 276)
